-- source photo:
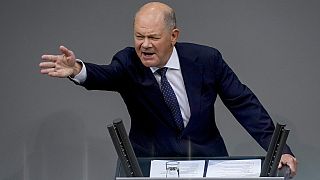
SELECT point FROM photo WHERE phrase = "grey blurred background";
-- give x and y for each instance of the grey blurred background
(51, 129)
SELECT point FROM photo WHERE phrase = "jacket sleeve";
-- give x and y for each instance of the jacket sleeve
(244, 105)
(111, 77)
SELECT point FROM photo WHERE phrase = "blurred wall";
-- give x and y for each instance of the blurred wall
(51, 129)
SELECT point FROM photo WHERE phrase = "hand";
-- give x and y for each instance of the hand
(63, 65)
(289, 160)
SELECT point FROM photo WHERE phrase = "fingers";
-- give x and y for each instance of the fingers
(293, 166)
(51, 62)
(47, 65)
(58, 65)
(50, 58)
(53, 58)
(55, 74)
(47, 71)
(49, 68)
(54, 70)
(289, 160)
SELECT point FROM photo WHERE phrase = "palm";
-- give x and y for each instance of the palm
(64, 66)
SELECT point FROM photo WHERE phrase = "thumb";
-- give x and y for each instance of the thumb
(66, 51)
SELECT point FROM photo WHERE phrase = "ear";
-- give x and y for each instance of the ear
(174, 36)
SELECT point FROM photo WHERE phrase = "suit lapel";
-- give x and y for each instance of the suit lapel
(192, 76)
(151, 90)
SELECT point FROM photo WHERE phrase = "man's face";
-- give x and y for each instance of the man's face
(153, 40)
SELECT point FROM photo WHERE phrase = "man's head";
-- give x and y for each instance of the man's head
(155, 33)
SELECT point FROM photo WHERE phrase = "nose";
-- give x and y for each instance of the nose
(146, 43)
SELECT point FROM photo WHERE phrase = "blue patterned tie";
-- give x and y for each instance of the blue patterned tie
(170, 98)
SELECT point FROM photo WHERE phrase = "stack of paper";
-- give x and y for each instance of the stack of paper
(234, 168)
(188, 168)
(215, 168)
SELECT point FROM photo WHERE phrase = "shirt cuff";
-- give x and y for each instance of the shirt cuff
(82, 76)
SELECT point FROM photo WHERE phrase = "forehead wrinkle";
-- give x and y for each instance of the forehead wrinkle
(148, 30)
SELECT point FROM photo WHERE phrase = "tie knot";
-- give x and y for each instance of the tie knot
(162, 71)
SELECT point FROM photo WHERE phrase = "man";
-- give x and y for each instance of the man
(170, 89)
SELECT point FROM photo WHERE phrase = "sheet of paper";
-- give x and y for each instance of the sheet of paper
(187, 168)
(234, 168)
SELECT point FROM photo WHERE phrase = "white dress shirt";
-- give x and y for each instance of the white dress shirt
(174, 77)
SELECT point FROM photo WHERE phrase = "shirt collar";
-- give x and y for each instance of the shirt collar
(173, 62)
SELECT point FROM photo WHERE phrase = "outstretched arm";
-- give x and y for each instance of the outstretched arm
(62, 65)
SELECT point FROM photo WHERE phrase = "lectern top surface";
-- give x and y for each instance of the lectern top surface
(204, 178)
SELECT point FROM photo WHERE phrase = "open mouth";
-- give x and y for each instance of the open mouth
(147, 54)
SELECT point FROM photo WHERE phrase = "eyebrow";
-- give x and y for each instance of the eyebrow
(149, 35)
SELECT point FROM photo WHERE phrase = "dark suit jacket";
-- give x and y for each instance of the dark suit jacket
(205, 75)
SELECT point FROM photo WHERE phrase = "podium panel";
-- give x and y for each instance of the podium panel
(204, 178)
(133, 168)
(145, 164)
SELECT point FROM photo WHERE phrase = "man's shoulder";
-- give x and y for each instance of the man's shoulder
(127, 55)
(128, 51)
(195, 48)
(192, 49)
(128, 59)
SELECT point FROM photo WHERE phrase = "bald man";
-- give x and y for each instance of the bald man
(170, 89)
